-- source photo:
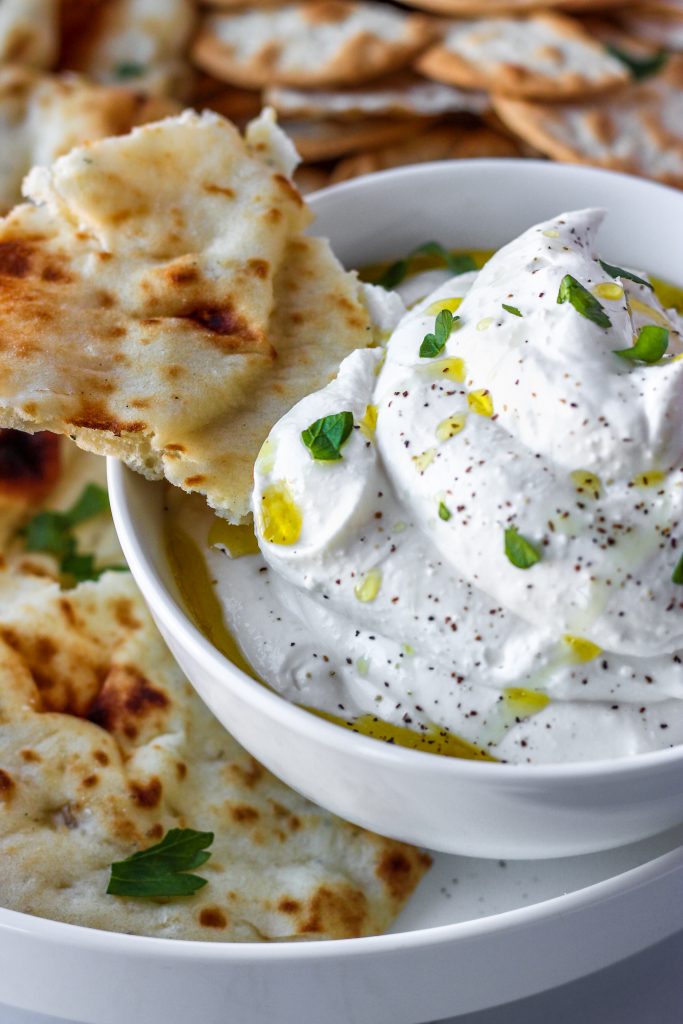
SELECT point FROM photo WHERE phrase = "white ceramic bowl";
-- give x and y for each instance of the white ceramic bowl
(479, 809)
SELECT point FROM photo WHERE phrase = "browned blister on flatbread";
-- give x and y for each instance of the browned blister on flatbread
(104, 746)
(160, 287)
(639, 131)
(544, 55)
(43, 116)
(324, 42)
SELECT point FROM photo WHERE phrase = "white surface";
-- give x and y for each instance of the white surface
(442, 803)
(643, 989)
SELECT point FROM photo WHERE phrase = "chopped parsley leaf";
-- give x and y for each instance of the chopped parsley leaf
(325, 436)
(519, 550)
(650, 345)
(580, 298)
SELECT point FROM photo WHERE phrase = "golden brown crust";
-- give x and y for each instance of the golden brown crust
(517, 79)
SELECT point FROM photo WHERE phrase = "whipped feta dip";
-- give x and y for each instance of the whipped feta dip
(494, 547)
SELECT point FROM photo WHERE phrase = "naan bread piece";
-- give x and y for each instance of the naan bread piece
(545, 56)
(158, 289)
(142, 43)
(323, 42)
(29, 32)
(104, 746)
(401, 95)
(446, 142)
(640, 131)
(318, 319)
(43, 116)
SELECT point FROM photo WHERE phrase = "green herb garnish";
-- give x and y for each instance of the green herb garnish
(519, 550)
(454, 263)
(128, 69)
(434, 344)
(444, 512)
(159, 871)
(325, 437)
(626, 274)
(640, 67)
(587, 305)
(677, 576)
(651, 344)
(52, 533)
(511, 309)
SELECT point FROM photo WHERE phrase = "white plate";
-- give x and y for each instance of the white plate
(475, 935)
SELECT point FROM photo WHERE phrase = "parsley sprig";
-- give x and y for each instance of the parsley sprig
(434, 344)
(52, 533)
(161, 870)
(640, 67)
(324, 437)
(582, 300)
(650, 345)
(455, 264)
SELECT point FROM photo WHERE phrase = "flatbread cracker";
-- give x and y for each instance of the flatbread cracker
(489, 8)
(447, 142)
(544, 56)
(43, 116)
(657, 23)
(104, 746)
(321, 43)
(327, 140)
(640, 131)
(402, 95)
(159, 302)
(29, 32)
(140, 43)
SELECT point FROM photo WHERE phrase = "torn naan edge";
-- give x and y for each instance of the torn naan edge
(43, 116)
(160, 304)
(104, 747)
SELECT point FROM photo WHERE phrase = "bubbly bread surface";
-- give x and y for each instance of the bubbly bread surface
(104, 746)
(158, 302)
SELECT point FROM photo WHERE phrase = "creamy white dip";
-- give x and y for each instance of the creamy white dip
(389, 582)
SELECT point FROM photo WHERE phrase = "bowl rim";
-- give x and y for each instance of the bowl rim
(178, 622)
(111, 942)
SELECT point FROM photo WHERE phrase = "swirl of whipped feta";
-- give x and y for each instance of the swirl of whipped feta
(527, 424)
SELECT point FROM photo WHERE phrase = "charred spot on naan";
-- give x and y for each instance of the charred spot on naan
(29, 465)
